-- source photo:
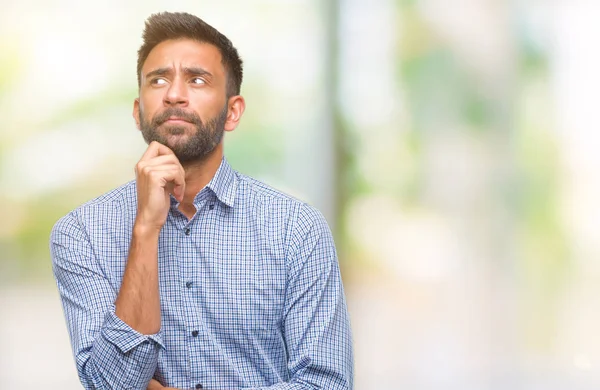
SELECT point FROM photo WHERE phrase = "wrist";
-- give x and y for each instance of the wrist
(145, 230)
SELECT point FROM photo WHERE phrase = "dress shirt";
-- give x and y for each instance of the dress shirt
(251, 295)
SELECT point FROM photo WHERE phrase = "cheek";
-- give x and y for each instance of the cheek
(145, 117)
(146, 112)
(150, 102)
(209, 104)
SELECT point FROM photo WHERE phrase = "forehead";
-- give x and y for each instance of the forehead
(184, 53)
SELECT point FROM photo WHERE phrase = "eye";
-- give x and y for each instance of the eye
(158, 81)
(198, 81)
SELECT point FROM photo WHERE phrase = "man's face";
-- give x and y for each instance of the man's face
(183, 102)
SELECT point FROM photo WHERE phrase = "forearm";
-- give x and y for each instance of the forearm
(120, 358)
(138, 301)
(109, 354)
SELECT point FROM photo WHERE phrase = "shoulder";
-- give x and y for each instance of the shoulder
(102, 208)
(256, 189)
(302, 216)
(125, 194)
(260, 193)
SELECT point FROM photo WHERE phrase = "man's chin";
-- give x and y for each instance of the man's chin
(174, 138)
(178, 128)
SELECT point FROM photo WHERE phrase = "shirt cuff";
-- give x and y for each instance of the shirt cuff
(123, 336)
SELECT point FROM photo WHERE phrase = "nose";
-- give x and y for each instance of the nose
(176, 94)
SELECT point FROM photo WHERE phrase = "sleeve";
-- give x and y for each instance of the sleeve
(109, 354)
(316, 322)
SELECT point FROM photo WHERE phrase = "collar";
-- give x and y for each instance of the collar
(224, 184)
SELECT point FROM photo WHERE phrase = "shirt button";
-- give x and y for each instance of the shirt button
(195, 333)
(212, 206)
(188, 284)
(199, 386)
(187, 231)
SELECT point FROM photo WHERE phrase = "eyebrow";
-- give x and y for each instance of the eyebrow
(189, 71)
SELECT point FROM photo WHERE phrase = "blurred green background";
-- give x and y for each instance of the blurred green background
(452, 145)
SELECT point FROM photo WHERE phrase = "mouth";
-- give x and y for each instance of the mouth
(176, 120)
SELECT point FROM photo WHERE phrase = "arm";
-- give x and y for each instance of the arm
(316, 324)
(109, 354)
(117, 345)
(138, 302)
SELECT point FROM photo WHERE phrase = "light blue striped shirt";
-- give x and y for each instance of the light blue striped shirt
(250, 288)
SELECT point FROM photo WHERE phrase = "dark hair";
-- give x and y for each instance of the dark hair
(180, 25)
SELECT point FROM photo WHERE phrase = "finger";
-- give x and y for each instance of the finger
(170, 174)
(155, 149)
(176, 190)
(159, 160)
(164, 175)
(179, 187)
(171, 169)
(148, 171)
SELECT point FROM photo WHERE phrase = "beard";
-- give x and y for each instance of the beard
(198, 145)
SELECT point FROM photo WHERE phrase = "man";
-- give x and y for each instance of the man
(194, 275)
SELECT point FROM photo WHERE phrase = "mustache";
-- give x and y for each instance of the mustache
(191, 117)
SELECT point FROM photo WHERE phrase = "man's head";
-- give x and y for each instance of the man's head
(189, 78)
(180, 25)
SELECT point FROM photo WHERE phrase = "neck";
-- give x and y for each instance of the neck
(199, 173)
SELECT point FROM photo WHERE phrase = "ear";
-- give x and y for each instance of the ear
(136, 112)
(235, 109)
